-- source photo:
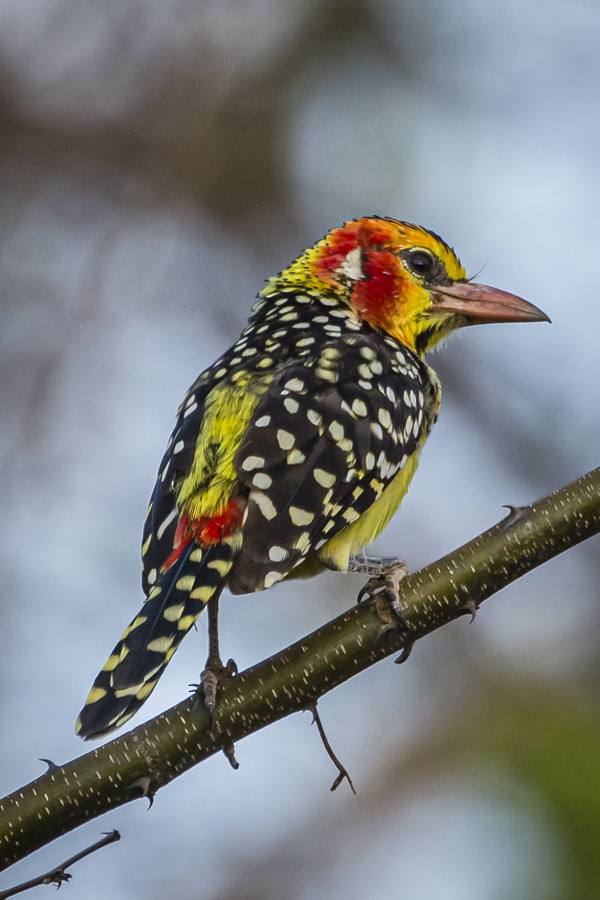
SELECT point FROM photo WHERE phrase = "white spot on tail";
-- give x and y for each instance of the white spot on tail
(165, 524)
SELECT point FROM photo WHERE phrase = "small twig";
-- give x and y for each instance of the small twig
(58, 875)
(328, 749)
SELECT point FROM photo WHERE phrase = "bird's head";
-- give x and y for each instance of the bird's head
(403, 280)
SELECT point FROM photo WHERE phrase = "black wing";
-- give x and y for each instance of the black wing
(326, 439)
(163, 513)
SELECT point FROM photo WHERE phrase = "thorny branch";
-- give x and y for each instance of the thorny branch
(59, 874)
(142, 761)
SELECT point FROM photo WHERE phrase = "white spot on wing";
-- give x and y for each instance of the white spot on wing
(300, 516)
(295, 457)
(285, 439)
(295, 384)
(253, 462)
(272, 578)
(277, 554)
(262, 480)
(326, 479)
(265, 504)
(336, 430)
(384, 417)
(359, 407)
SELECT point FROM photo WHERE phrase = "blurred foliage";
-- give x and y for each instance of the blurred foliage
(157, 162)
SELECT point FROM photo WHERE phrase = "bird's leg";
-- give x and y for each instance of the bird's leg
(214, 670)
(383, 587)
(214, 656)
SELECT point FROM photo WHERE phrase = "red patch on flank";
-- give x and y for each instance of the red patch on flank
(206, 531)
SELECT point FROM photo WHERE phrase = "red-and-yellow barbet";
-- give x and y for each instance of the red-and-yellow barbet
(295, 448)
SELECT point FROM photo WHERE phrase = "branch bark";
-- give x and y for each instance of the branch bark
(150, 756)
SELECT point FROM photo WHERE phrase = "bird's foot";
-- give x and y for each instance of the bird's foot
(384, 585)
(210, 679)
(383, 590)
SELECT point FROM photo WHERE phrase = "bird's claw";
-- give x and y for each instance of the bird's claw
(383, 589)
(406, 651)
(210, 679)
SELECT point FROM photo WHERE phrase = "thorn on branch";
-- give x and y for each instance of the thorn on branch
(229, 751)
(51, 765)
(469, 608)
(59, 875)
(515, 514)
(144, 784)
(343, 772)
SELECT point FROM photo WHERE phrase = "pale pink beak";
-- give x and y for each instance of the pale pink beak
(482, 303)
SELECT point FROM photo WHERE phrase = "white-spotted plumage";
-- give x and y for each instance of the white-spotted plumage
(289, 452)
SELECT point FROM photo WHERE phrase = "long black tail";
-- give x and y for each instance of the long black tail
(132, 670)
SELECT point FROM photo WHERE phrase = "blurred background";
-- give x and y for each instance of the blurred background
(157, 162)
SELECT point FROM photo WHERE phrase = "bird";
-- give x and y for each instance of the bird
(294, 449)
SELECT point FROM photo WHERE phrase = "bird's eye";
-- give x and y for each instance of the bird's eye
(421, 262)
